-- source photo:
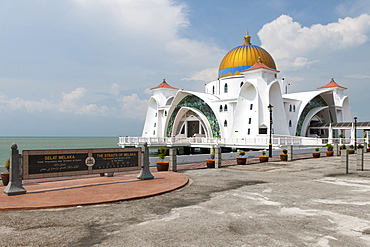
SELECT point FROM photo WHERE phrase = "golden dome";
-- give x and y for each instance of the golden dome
(243, 57)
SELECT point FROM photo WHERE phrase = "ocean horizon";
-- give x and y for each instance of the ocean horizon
(53, 142)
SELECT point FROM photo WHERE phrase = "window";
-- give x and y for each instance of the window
(250, 121)
(155, 114)
(154, 132)
(290, 123)
(251, 107)
(213, 90)
(225, 123)
(155, 124)
(165, 113)
(226, 88)
(182, 130)
(241, 84)
(225, 108)
(262, 130)
(294, 108)
(249, 131)
(220, 108)
(290, 107)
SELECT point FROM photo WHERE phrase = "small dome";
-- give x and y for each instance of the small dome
(243, 57)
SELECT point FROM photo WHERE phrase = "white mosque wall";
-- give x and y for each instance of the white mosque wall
(280, 124)
(151, 117)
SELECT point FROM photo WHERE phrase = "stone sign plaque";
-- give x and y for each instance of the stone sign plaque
(115, 160)
(56, 163)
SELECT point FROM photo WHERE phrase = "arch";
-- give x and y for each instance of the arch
(169, 100)
(280, 121)
(165, 113)
(190, 122)
(226, 88)
(197, 104)
(314, 106)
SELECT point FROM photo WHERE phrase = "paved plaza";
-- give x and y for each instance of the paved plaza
(307, 202)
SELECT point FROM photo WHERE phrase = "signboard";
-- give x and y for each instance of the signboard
(69, 162)
(56, 163)
(115, 160)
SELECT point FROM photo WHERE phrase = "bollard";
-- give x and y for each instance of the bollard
(365, 147)
(145, 171)
(336, 149)
(173, 160)
(290, 152)
(344, 159)
(218, 158)
(360, 159)
(15, 186)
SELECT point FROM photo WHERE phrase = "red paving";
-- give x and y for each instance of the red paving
(86, 190)
(93, 190)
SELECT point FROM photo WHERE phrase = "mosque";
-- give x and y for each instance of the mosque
(238, 106)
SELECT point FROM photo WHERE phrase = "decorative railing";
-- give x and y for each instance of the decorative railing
(228, 142)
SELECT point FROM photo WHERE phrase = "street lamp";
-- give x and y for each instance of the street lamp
(271, 107)
(355, 118)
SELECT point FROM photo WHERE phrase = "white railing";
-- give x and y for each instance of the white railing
(247, 141)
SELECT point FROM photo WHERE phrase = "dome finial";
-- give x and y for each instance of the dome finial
(332, 79)
(247, 39)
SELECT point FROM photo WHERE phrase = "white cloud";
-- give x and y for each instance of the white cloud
(115, 89)
(293, 45)
(133, 107)
(206, 75)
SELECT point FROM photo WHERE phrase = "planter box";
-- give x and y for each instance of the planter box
(283, 157)
(351, 151)
(5, 178)
(316, 154)
(241, 160)
(263, 159)
(162, 166)
(210, 163)
(329, 153)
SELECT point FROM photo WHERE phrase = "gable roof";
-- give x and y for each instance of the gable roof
(331, 84)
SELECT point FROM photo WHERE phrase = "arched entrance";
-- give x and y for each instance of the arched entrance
(191, 123)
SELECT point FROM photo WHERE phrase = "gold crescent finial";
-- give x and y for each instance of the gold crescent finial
(247, 39)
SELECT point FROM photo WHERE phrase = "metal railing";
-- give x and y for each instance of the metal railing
(227, 142)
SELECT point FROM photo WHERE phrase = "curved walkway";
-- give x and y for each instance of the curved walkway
(94, 190)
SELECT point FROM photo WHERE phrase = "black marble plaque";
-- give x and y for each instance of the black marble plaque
(115, 160)
(56, 163)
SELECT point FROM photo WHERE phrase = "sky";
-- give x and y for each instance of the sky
(85, 67)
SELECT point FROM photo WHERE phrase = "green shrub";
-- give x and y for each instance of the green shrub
(351, 146)
(329, 147)
(162, 153)
(285, 151)
(263, 152)
(360, 146)
(317, 149)
(343, 147)
(7, 164)
(241, 152)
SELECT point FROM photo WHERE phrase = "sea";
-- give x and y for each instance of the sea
(37, 143)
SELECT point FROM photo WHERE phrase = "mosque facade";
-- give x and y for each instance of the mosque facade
(239, 104)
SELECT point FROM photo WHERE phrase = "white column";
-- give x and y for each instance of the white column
(353, 134)
(330, 136)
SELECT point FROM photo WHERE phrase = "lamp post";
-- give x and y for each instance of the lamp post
(271, 107)
(355, 118)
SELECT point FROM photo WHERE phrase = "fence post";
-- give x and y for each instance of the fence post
(173, 159)
(218, 157)
(360, 159)
(15, 186)
(344, 158)
(290, 152)
(145, 171)
(336, 149)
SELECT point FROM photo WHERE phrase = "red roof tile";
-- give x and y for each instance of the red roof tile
(332, 83)
(164, 84)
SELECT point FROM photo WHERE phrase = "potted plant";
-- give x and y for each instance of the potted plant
(263, 158)
(162, 165)
(329, 150)
(351, 149)
(316, 154)
(241, 160)
(211, 161)
(5, 175)
(360, 146)
(284, 155)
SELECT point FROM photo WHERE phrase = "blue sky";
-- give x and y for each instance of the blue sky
(84, 67)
